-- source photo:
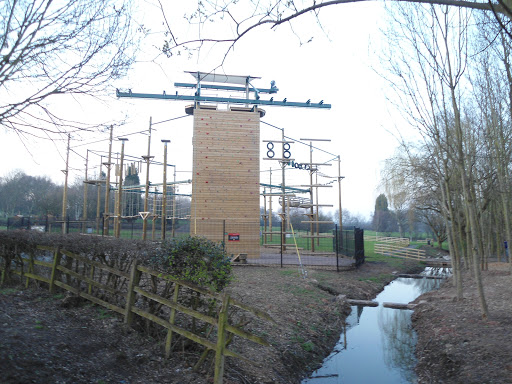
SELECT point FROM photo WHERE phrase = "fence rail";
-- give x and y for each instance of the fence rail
(85, 281)
(387, 239)
(399, 251)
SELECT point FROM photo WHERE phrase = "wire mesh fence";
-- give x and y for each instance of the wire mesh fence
(331, 249)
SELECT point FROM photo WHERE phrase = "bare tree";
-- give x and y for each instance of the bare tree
(50, 48)
(240, 18)
(429, 67)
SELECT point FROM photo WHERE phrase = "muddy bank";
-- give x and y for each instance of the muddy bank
(42, 340)
(455, 345)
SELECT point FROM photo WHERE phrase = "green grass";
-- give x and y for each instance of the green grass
(378, 279)
(308, 346)
(104, 313)
(325, 244)
(39, 325)
(289, 273)
(299, 291)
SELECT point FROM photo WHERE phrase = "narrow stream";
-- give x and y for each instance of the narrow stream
(378, 343)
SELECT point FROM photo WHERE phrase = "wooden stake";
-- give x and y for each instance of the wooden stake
(56, 261)
(130, 297)
(168, 339)
(221, 341)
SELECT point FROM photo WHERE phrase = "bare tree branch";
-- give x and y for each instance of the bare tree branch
(274, 13)
(49, 49)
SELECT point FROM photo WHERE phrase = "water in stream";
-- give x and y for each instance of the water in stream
(378, 344)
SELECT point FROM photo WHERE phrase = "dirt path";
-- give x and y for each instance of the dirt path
(43, 342)
(455, 345)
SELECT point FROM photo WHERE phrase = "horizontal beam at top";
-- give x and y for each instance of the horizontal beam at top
(226, 88)
(212, 99)
(281, 187)
(157, 184)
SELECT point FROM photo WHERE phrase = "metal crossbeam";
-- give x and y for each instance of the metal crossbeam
(164, 96)
(226, 88)
(289, 188)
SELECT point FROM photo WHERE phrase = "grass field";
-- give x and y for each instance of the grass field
(321, 244)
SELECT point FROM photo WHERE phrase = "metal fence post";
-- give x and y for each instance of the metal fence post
(281, 243)
(337, 251)
(224, 235)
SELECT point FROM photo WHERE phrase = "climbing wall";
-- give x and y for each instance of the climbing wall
(225, 182)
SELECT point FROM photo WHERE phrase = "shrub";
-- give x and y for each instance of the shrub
(195, 259)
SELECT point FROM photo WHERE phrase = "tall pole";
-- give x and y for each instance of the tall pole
(339, 195)
(65, 194)
(283, 193)
(314, 213)
(84, 213)
(317, 210)
(164, 198)
(155, 214)
(312, 209)
(174, 204)
(98, 198)
(108, 164)
(270, 207)
(116, 195)
(117, 220)
(265, 215)
(146, 194)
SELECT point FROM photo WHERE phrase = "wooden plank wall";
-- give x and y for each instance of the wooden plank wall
(226, 176)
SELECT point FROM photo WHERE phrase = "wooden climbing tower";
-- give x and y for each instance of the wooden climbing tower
(226, 172)
(226, 140)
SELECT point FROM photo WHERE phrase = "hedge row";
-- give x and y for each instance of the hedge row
(193, 259)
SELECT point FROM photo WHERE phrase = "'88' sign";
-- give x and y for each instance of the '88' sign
(271, 153)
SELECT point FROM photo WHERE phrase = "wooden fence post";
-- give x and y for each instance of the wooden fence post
(55, 264)
(130, 297)
(168, 339)
(20, 258)
(4, 270)
(221, 340)
(91, 276)
(30, 267)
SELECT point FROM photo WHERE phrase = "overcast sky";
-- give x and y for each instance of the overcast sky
(337, 66)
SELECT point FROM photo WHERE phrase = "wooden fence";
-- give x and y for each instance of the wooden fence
(86, 280)
(382, 239)
(397, 250)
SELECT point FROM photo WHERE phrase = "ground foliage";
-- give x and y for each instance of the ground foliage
(307, 322)
(192, 259)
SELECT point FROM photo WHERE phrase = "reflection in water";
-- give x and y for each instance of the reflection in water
(378, 344)
(398, 341)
